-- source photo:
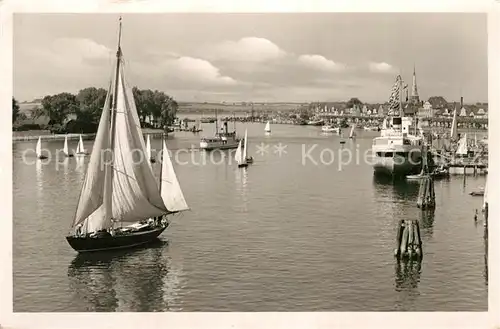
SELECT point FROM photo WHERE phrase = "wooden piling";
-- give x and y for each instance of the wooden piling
(408, 240)
(426, 194)
(399, 237)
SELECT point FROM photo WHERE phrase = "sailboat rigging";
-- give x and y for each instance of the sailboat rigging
(120, 204)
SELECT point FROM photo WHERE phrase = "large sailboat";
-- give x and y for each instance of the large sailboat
(121, 204)
(397, 152)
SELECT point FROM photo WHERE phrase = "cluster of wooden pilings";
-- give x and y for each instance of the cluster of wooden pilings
(408, 240)
(426, 195)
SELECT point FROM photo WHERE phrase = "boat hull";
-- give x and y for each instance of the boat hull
(218, 146)
(399, 167)
(93, 244)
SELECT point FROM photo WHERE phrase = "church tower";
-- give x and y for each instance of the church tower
(414, 99)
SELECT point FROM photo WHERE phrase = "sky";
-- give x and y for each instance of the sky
(296, 57)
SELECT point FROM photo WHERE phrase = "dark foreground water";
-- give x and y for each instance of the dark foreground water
(282, 235)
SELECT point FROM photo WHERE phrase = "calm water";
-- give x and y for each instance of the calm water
(278, 236)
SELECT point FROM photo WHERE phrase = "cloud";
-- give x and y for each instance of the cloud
(83, 48)
(248, 49)
(381, 67)
(198, 70)
(320, 63)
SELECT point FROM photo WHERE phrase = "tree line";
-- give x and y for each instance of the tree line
(80, 113)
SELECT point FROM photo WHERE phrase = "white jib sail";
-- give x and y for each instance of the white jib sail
(38, 148)
(238, 155)
(170, 189)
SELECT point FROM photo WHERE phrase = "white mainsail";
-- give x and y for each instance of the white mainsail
(267, 129)
(148, 148)
(454, 128)
(38, 148)
(120, 187)
(170, 189)
(65, 148)
(245, 147)
(462, 146)
(238, 156)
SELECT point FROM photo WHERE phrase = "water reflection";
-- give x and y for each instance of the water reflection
(241, 178)
(39, 179)
(407, 278)
(402, 190)
(427, 222)
(134, 280)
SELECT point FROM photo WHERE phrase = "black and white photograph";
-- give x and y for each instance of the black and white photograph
(250, 161)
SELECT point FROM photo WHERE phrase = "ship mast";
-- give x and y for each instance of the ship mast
(113, 110)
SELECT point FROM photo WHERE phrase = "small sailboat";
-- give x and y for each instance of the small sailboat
(148, 150)
(240, 157)
(80, 149)
(65, 148)
(248, 159)
(121, 204)
(38, 149)
(267, 128)
(352, 133)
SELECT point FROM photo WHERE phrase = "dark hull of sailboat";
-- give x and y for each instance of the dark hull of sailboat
(133, 239)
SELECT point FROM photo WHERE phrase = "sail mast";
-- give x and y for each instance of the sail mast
(113, 111)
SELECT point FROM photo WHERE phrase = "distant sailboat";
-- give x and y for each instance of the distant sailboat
(170, 189)
(148, 150)
(120, 204)
(38, 149)
(65, 148)
(240, 157)
(80, 149)
(248, 159)
(267, 129)
(352, 133)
